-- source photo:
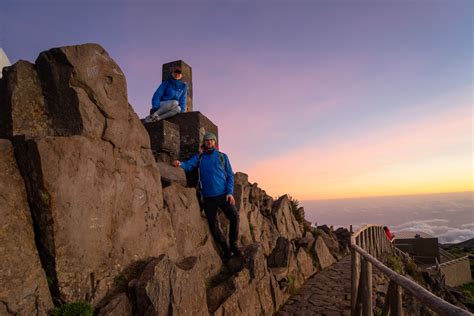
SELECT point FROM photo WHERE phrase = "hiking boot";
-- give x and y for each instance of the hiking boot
(152, 118)
(236, 251)
(226, 256)
(226, 253)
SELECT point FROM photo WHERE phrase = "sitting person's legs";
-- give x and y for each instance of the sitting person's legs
(166, 106)
(172, 110)
(166, 109)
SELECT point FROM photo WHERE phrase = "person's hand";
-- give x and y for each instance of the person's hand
(231, 199)
(176, 163)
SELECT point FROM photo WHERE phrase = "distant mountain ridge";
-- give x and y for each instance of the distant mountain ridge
(464, 244)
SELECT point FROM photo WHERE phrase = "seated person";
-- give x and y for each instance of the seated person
(169, 99)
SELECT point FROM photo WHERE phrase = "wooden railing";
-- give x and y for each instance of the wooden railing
(368, 243)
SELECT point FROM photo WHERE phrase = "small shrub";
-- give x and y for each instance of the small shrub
(80, 308)
(317, 232)
(394, 263)
(49, 280)
(468, 290)
(377, 311)
(291, 285)
(295, 205)
(412, 270)
(44, 197)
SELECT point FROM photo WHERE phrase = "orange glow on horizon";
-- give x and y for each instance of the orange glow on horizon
(431, 156)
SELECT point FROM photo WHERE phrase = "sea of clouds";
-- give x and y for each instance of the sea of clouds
(448, 216)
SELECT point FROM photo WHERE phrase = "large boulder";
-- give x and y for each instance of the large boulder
(323, 254)
(22, 103)
(117, 306)
(305, 263)
(191, 231)
(169, 288)
(164, 140)
(332, 244)
(280, 256)
(93, 185)
(24, 289)
(284, 219)
(262, 219)
(251, 290)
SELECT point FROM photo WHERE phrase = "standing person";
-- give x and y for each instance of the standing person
(169, 99)
(388, 233)
(216, 182)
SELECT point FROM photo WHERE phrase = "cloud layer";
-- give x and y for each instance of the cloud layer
(450, 216)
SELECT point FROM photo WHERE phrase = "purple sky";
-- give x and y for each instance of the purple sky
(283, 78)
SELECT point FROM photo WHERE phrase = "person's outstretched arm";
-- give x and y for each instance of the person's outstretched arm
(188, 165)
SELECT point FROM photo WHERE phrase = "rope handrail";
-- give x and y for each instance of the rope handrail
(373, 239)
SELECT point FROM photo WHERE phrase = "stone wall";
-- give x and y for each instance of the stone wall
(456, 272)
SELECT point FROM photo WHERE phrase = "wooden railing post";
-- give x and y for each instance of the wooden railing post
(379, 242)
(355, 277)
(366, 288)
(375, 240)
(396, 301)
(384, 242)
(370, 248)
(366, 239)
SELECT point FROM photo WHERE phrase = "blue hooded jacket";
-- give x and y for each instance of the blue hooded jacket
(215, 179)
(170, 89)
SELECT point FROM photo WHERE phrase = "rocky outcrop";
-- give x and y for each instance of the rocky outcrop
(323, 254)
(251, 289)
(117, 306)
(93, 186)
(24, 289)
(265, 219)
(168, 288)
(191, 235)
(114, 224)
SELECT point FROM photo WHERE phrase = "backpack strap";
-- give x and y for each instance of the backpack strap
(222, 158)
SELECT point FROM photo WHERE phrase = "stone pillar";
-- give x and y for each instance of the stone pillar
(187, 77)
(164, 140)
(192, 127)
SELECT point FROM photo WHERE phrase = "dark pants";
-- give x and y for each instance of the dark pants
(211, 206)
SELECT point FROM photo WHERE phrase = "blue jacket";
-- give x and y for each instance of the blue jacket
(215, 178)
(170, 89)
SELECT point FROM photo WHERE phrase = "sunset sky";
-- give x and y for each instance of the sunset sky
(318, 99)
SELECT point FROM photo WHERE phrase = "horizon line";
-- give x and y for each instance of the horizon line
(391, 195)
